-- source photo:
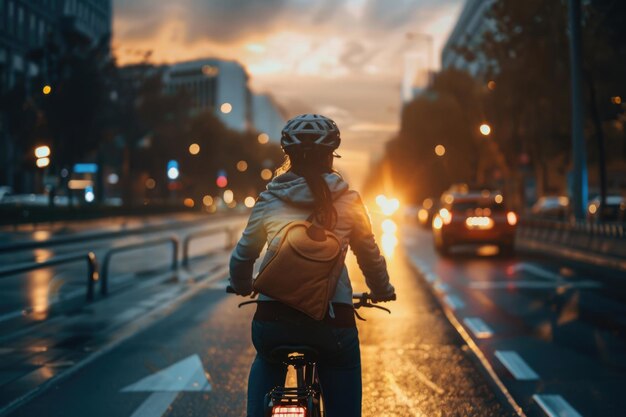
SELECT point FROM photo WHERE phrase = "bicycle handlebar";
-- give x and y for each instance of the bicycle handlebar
(363, 299)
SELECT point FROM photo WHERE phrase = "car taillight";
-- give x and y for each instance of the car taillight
(511, 218)
(288, 411)
(445, 215)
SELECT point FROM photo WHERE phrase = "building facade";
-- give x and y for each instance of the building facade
(267, 116)
(221, 87)
(27, 28)
(468, 31)
(214, 85)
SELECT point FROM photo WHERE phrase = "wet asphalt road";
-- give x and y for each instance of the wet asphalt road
(551, 333)
(414, 362)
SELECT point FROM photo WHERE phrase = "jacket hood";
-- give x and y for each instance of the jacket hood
(293, 189)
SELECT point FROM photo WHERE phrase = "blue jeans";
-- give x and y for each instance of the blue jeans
(339, 364)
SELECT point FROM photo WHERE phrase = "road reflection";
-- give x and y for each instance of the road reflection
(39, 293)
(389, 239)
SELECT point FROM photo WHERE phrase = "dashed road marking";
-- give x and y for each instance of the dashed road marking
(516, 365)
(454, 302)
(555, 406)
(478, 327)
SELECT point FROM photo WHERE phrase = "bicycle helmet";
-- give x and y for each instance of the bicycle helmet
(308, 131)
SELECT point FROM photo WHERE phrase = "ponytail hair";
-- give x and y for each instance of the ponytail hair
(312, 164)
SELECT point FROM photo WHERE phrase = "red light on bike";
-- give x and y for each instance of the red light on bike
(288, 411)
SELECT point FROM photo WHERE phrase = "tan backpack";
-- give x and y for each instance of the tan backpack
(305, 268)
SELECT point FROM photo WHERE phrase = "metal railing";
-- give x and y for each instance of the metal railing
(591, 239)
(173, 240)
(206, 233)
(92, 268)
(82, 237)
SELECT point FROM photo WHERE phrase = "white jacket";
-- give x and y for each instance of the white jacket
(289, 198)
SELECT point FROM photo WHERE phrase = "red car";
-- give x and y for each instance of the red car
(473, 218)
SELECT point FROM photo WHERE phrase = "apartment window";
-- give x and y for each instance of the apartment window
(11, 16)
(20, 22)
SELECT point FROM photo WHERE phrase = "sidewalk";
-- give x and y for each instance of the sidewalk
(45, 231)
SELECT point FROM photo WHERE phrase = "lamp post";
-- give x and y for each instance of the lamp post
(579, 180)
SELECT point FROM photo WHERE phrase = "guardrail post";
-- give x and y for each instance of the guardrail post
(175, 245)
(92, 274)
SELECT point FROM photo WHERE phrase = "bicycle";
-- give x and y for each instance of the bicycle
(305, 399)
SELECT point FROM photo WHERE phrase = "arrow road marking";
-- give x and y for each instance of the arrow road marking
(183, 376)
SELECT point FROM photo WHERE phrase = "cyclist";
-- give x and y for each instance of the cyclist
(307, 183)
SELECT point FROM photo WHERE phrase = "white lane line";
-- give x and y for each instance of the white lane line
(454, 302)
(555, 406)
(516, 365)
(431, 277)
(537, 271)
(489, 285)
(441, 287)
(478, 327)
(156, 405)
(129, 315)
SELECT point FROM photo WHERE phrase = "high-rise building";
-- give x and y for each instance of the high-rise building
(267, 116)
(214, 85)
(26, 29)
(26, 24)
(468, 31)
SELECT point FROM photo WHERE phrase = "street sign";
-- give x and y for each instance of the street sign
(85, 168)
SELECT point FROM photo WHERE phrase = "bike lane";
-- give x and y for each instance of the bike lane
(195, 361)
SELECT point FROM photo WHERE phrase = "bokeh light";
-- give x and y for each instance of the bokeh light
(226, 108)
(440, 150)
(188, 202)
(249, 201)
(242, 166)
(194, 149)
(229, 196)
(46, 89)
(221, 181)
(485, 129)
(263, 138)
(266, 174)
(150, 183)
(207, 200)
(42, 151)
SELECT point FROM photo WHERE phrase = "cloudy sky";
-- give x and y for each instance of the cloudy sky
(343, 58)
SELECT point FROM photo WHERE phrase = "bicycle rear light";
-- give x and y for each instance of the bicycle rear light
(288, 411)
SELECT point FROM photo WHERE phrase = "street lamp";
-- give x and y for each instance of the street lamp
(226, 108)
(194, 149)
(42, 153)
(485, 129)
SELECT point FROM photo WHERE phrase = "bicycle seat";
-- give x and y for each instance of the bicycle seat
(285, 352)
